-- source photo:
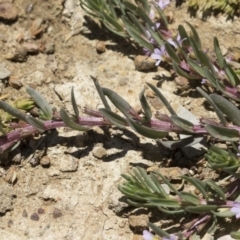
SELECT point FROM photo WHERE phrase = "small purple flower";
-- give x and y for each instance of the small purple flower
(163, 3)
(204, 81)
(159, 54)
(178, 40)
(236, 209)
(147, 235)
(172, 237)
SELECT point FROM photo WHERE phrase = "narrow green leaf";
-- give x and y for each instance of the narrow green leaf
(182, 123)
(41, 102)
(162, 98)
(158, 185)
(118, 101)
(195, 49)
(210, 77)
(146, 131)
(161, 14)
(183, 35)
(145, 106)
(198, 69)
(229, 109)
(172, 53)
(158, 230)
(201, 209)
(39, 125)
(138, 24)
(235, 235)
(218, 52)
(74, 104)
(101, 94)
(222, 133)
(198, 184)
(216, 188)
(191, 198)
(113, 117)
(216, 109)
(224, 214)
(171, 211)
(13, 111)
(169, 184)
(232, 76)
(69, 121)
(195, 36)
(156, 35)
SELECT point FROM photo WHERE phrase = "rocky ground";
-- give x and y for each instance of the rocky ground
(63, 184)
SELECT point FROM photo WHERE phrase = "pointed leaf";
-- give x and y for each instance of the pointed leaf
(113, 117)
(41, 102)
(195, 36)
(198, 184)
(145, 106)
(74, 104)
(100, 92)
(69, 121)
(222, 133)
(172, 53)
(212, 103)
(183, 35)
(162, 98)
(232, 76)
(229, 109)
(13, 111)
(226, 213)
(218, 52)
(196, 67)
(158, 230)
(216, 188)
(146, 131)
(39, 125)
(191, 198)
(182, 123)
(119, 102)
(201, 209)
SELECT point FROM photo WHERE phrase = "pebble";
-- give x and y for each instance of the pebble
(34, 217)
(24, 213)
(144, 63)
(45, 161)
(8, 11)
(18, 55)
(41, 211)
(99, 152)
(4, 72)
(100, 47)
(57, 213)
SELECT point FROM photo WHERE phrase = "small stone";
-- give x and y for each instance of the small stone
(15, 82)
(138, 222)
(4, 73)
(45, 161)
(57, 213)
(99, 152)
(41, 211)
(24, 213)
(34, 217)
(100, 47)
(18, 55)
(122, 224)
(8, 11)
(10, 223)
(144, 63)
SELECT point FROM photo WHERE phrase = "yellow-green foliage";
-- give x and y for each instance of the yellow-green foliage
(230, 7)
